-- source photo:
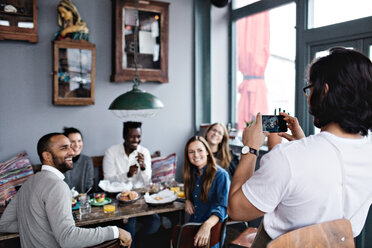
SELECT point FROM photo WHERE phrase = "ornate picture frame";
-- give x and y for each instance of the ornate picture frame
(152, 41)
(73, 72)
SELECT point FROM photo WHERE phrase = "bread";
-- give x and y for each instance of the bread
(128, 195)
(158, 198)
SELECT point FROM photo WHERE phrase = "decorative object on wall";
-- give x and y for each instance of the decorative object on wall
(135, 103)
(73, 72)
(70, 22)
(153, 41)
(18, 20)
(74, 59)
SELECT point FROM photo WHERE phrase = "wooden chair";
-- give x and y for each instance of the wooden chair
(245, 239)
(115, 243)
(331, 234)
(183, 236)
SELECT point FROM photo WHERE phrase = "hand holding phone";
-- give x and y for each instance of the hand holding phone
(274, 124)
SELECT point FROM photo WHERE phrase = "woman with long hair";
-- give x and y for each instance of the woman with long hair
(218, 140)
(206, 188)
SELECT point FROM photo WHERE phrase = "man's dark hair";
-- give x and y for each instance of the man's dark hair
(69, 130)
(43, 145)
(130, 124)
(348, 101)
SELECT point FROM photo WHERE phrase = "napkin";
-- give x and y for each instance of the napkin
(166, 195)
(114, 187)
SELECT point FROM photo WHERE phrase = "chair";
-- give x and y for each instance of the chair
(331, 234)
(183, 236)
(115, 243)
(245, 239)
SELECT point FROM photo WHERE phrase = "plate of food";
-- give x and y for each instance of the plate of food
(127, 196)
(163, 197)
(95, 203)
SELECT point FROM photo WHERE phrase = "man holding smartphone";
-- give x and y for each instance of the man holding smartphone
(318, 178)
(131, 162)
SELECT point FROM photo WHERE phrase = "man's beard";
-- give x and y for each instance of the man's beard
(61, 166)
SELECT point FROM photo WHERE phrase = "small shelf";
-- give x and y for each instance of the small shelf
(15, 31)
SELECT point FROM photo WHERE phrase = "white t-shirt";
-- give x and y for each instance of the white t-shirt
(300, 183)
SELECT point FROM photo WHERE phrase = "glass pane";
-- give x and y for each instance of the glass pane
(241, 3)
(266, 63)
(148, 39)
(74, 72)
(327, 12)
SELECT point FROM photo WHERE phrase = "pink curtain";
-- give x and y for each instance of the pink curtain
(253, 54)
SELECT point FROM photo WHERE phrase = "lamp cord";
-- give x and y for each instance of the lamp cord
(136, 79)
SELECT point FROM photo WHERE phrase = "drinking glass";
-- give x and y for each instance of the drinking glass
(85, 207)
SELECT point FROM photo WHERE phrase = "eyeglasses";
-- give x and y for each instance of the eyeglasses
(306, 89)
(217, 132)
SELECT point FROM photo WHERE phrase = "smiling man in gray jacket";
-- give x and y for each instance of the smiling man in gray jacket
(41, 210)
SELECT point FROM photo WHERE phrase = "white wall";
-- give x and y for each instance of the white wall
(220, 63)
(26, 109)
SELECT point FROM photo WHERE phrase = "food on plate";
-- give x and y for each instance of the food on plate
(181, 194)
(158, 198)
(128, 195)
(175, 189)
(74, 202)
(99, 197)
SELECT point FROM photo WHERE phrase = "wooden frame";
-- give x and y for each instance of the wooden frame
(73, 72)
(21, 25)
(153, 18)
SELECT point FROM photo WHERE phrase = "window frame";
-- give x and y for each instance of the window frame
(359, 30)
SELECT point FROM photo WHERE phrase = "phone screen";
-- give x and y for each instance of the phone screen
(274, 123)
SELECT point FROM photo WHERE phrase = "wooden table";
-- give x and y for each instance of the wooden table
(123, 211)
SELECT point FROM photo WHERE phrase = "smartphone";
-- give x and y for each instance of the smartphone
(274, 123)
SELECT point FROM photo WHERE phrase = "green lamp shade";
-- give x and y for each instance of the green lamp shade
(136, 103)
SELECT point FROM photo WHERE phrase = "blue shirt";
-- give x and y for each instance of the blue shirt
(217, 196)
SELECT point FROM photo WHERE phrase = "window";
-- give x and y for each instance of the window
(282, 58)
(327, 12)
(266, 47)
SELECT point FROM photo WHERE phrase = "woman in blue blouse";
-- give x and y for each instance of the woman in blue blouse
(206, 188)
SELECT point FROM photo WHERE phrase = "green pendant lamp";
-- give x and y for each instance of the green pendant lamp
(136, 103)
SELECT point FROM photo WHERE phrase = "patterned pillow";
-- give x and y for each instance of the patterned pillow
(12, 174)
(163, 169)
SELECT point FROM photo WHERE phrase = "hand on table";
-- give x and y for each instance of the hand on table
(125, 238)
(253, 136)
(189, 207)
(294, 126)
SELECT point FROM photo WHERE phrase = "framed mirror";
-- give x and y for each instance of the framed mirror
(73, 72)
(152, 50)
(18, 20)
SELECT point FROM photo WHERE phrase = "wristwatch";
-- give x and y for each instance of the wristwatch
(247, 149)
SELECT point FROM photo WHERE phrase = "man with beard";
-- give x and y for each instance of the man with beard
(41, 210)
(131, 163)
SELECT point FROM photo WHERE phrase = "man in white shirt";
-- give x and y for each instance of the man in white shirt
(41, 210)
(129, 162)
(318, 178)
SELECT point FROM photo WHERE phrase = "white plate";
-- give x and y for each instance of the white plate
(167, 197)
(126, 202)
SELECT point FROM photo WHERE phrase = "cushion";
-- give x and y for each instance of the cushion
(163, 169)
(13, 173)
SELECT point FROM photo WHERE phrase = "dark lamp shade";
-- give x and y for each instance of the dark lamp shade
(136, 103)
